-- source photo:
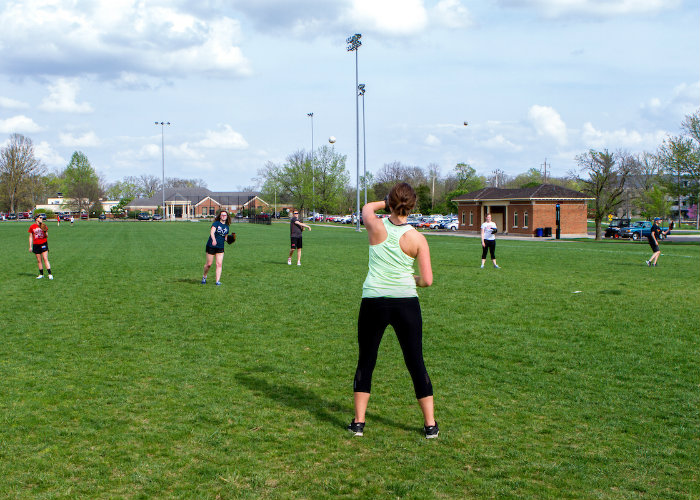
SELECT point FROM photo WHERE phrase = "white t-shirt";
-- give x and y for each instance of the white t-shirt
(487, 228)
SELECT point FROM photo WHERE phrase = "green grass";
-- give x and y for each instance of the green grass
(126, 378)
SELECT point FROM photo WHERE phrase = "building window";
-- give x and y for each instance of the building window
(515, 219)
(212, 211)
(525, 219)
(471, 217)
(462, 217)
(204, 211)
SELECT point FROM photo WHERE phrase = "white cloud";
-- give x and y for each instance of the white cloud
(621, 138)
(18, 124)
(592, 8)
(44, 152)
(682, 101)
(6, 102)
(224, 139)
(548, 123)
(452, 14)
(432, 140)
(109, 38)
(88, 139)
(61, 98)
(500, 143)
(391, 17)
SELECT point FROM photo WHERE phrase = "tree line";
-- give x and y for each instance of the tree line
(646, 183)
(25, 182)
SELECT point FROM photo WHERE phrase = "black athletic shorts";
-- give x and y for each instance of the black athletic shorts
(39, 248)
(654, 246)
(213, 250)
(296, 243)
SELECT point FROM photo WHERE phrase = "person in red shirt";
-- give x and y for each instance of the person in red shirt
(38, 244)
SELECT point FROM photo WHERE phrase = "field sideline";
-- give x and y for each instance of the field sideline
(572, 372)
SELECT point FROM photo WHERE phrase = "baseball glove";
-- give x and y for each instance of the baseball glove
(231, 238)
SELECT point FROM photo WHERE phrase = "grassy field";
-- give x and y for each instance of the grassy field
(572, 372)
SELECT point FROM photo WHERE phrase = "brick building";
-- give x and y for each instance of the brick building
(188, 203)
(524, 211)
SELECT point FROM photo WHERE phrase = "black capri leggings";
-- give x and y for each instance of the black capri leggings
(490, 246)
(404, 316)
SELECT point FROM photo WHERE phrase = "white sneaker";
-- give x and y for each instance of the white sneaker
(40, 276)
(50, 276)
(298, 263)
(289, 262)
(482, 266)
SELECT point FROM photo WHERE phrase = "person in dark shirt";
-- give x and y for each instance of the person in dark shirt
(215, 245)
(296, 227)
(653, 238)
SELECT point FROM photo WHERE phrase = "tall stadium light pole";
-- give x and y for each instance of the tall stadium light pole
(354, 44)
(361, 90)
(162, 151)
(313, 174)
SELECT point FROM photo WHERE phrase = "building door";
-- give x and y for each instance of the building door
(497, 217)
(178, 211)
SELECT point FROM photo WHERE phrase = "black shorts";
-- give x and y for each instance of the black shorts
(654, 246)
(296, 243)
(213, 250)
(39, 248)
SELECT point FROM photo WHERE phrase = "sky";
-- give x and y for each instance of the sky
(536, 81)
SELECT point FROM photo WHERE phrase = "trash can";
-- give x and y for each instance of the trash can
(538, 232)
(547, 232)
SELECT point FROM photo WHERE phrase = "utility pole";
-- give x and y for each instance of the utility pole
(545, 171)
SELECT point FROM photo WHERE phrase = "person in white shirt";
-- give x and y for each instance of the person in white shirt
(488, 241)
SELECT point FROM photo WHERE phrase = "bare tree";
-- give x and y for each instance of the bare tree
(604, 181)
(17, 166)
(148, 185)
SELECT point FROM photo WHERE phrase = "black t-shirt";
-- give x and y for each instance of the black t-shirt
(656, 231)
(294, 230)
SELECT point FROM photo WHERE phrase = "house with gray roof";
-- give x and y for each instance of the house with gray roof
(531, 211)
(189, 203)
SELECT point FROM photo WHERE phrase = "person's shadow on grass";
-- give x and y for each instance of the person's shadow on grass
(304, 399)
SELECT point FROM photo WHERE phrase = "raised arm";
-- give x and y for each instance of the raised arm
(374, 225)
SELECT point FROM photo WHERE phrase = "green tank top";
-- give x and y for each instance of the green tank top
(390, 270)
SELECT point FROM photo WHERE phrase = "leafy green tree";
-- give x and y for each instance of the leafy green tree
(18, 167)
(603, 177)
(81, 184)
(423, 201)
(467, 181)
(654, 202)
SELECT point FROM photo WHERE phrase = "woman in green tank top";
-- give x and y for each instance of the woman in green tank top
(389, 298)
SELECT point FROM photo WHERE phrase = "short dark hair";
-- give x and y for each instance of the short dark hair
(402, 198)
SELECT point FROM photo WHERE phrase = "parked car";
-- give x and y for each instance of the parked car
(11, 216)
(450, 224)
(616, 225)
(639, 229)
(157, 217)
(65, 217)
(102, 217)
(143, 216)
(84, 216)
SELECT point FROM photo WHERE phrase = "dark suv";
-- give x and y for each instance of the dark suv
(616, 225)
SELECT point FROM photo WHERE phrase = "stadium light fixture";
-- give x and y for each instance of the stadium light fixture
(162, 150)
(354, 44)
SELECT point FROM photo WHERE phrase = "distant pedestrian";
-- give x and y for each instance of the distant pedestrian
(38, 244)
(488, 240)
(58, 220)
(653, 237)
(215, 245)
(71, 220)
(296, 227)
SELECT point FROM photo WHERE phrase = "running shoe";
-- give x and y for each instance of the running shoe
(40, 276)
(357, 428)
(496, 266)
(204, 281)
(482, 266)
(298, 263)
(648, 263)
(218, 283)
(289, 262)
(431, 431)
(50, 276)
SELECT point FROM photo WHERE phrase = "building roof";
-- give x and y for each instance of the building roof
(541, 192)
(194, 195)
